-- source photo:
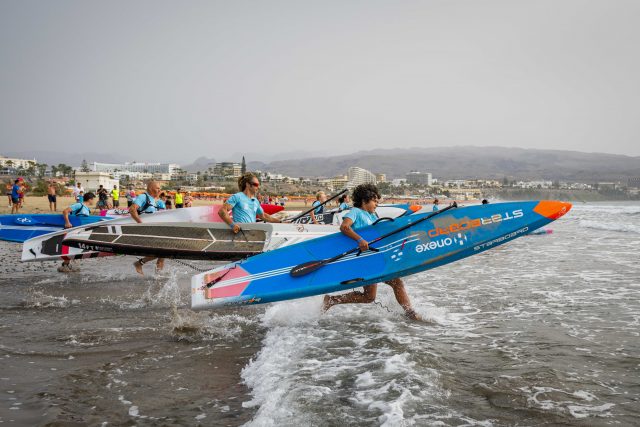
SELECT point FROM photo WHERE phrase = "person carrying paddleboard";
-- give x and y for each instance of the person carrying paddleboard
(143, 204)
(365, 202)
(321, 197)
(76, 209)
(244, 205)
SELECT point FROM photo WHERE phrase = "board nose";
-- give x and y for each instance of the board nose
(552, 209)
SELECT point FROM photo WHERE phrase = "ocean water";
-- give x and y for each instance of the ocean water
(544, 330)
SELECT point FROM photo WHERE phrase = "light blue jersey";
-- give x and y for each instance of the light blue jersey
(319, 209)
(435, 208)
(161, 205)
(360, 218)
(146, 203)
(344, 206)
(79, 209)
(244, 209)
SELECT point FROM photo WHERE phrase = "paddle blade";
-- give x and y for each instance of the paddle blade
(306, 268)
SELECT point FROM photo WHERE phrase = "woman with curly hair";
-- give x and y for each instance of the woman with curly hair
(365, 200)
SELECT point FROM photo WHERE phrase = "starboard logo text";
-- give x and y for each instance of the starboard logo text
(468, 224)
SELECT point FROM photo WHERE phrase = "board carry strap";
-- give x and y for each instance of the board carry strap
(310, 266)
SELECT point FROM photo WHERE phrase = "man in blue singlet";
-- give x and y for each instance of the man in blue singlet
(76, 209)
(244, 205)
(146, 203)
(365, 201)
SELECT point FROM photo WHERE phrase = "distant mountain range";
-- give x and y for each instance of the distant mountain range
(462, 162)
(468, 163)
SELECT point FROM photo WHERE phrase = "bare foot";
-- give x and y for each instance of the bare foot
(138, 267)
(411, 314)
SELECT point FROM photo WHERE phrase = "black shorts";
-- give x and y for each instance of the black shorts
(15, 201)
(129, 203)
(116, 203)
(52, 198)
(179, 205)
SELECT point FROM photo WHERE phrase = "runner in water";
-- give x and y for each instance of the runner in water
(144, 204)
(365, 201)
(76, 209)
(244, 204)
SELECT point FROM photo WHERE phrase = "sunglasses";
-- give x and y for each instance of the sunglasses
(255, 184)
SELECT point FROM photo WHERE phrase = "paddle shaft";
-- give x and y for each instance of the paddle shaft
(316, 207)
(308, 267)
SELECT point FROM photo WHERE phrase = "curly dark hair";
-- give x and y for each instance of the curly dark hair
(245, 179)
(364, 193)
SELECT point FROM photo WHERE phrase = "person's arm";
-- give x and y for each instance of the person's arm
(133, 211)
(268, 218)
(65, 215)
(224, 214)
(346, 229)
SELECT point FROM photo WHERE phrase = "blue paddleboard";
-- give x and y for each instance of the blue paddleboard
(21, 227)
(406, 245)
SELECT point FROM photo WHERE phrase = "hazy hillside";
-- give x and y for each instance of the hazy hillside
(468, 163)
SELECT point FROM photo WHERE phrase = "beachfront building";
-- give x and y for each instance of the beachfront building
(135, 170)
(336, 183)
(92, 180)
(421, 178)
(357, 176)
(227, 169)
(13, 163)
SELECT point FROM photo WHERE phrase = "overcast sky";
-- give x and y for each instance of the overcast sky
(174, 80)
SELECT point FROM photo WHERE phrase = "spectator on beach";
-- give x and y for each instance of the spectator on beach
(16, 190)
(24, 187)
(8, 188)
(168, 201)
(435, 205)
(365, 201)
(321, 197)
(146, 204)
(103, 198)
(179, 198)
(130, 194)
(115, 196)
(76, 209)
(188, 200)
(77, 190)
(80, 198)
(51, 195)
(244, 205)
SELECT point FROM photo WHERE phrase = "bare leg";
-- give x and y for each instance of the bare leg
(354, 297)
(403, 298)
(160, 264)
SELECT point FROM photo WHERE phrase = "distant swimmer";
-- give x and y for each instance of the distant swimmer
(365, 201)
(76, 209)
(485, 202)
(145, 204)
(244, 205)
